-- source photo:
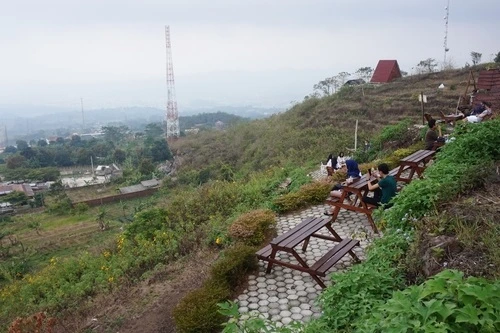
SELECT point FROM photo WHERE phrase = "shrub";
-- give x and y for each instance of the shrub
(445, 303)
(253, 227)
(234, 264)
(197, 312)
(80, 208)
(309, 194)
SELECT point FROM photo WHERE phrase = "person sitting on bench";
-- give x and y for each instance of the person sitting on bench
(432, 135)
(353, 173)
(384, 190)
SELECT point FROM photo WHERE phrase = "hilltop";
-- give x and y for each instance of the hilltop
(131, 283)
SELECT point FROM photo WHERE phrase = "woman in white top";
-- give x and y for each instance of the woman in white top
(340, 161)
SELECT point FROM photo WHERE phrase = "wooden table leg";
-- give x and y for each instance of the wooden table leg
(270, 264)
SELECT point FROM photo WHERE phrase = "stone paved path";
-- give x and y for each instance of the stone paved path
(285, 295)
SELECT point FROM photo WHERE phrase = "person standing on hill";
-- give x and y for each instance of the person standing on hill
(384, 190)
(432, 134)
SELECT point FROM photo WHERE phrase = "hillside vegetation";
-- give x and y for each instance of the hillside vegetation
(310, 130)
(231, 179)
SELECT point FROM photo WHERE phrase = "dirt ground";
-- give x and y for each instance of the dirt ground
(146, 307)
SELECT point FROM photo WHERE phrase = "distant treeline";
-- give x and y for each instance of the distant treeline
(208, 120)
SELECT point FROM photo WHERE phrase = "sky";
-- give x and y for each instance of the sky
(111, 53)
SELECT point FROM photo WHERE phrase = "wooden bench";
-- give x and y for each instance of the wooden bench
(415, 163)
(301, 234)
(334, 255)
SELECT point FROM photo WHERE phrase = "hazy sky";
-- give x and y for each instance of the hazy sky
(112, 52)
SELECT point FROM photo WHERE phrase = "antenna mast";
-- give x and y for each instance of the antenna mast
(445, 44)
(172, 114)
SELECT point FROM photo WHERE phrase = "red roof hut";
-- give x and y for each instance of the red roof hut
(386, 71)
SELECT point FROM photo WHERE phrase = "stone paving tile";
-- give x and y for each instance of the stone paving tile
(285, 295)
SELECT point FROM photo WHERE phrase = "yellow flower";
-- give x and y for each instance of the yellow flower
(110, 279)
(218, 241)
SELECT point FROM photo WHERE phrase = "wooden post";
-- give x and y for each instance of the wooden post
(422, 104)
(356, 136)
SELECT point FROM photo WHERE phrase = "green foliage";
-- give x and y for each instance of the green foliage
(147, 222)
(460, 165)
(398, 132)
(80, 208)
(15, 198)
(254, 324)
(445, 303)
(39, 174)
(252, 228)
(357, 291)
(197, 312)
(233, 265)
(312, 193)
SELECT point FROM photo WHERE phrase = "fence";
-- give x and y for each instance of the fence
(117, 197)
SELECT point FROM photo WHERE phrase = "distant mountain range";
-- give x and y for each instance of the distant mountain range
(23, 120)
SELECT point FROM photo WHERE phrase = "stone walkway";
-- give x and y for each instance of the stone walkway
(285, 295)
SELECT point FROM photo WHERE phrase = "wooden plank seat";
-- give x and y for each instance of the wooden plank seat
(334, 255)
(264, 253)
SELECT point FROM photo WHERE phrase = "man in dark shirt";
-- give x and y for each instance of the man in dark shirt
(384, 190)
(432, 134)
(478, 109)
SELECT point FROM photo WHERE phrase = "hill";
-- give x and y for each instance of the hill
(310, 130)
(185, 228)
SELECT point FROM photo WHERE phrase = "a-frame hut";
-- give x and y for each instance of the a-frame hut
(386, 71)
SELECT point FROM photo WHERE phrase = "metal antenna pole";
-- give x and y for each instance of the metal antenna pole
(172, 117)
(445, 44)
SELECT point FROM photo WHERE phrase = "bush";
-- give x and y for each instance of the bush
(253, 227)
(445, 303)
(80, 208)
(309, 194)
(234, 264)
(197, 312)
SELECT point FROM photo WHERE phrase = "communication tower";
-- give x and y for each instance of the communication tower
(172, 118)
(445, 44)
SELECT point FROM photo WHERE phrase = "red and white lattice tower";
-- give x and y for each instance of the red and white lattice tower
(173, 130)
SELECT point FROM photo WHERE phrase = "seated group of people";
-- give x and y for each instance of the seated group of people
(476, 114)
(335, 163)
(383, 190)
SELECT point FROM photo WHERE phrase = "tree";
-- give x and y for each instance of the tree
(115, 134)
(119, 156)
(324, 86)
(42, 143)
(364, 73)
(15, 161)
(154, 130)
(10, 149)
(102, 219)
(427, 66)
(146, 167)
(21, 144)
(497, 58)
(475, 57)
(403, 73)
(160, 151)
(342, 76)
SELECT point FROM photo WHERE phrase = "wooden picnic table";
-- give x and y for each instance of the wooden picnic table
(416, 162)
(301, 234)
(358, 188)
